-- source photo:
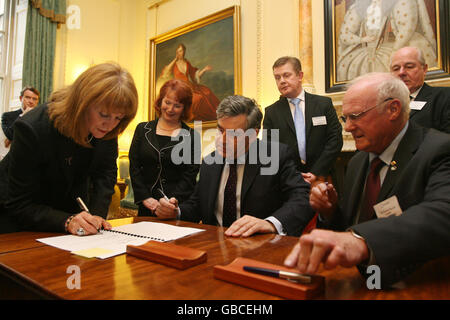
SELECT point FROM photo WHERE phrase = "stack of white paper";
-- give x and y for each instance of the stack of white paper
(111, 243)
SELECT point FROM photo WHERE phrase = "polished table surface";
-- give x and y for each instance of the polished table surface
(30, 269)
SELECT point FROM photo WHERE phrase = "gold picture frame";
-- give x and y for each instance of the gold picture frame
(347, 58)
(213, 42)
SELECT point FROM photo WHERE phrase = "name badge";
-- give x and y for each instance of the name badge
(319, 121)
(388, 208)
(417, 105)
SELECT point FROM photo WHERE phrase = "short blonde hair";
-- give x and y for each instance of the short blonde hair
(107, 85)
(295, 63)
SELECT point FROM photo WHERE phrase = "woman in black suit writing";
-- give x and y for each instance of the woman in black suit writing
(159, 164)
(67, 149)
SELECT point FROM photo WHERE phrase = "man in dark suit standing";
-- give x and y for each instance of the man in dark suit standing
(396, 201)
(307, 123)
(248, 185)
(29, 97)
(430, 106)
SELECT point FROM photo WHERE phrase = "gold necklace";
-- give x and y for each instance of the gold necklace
(168, 129)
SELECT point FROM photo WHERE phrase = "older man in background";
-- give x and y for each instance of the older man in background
(430, 106)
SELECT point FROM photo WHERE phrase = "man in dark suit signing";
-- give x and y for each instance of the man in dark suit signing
(248, 185)
(395, 207)
(307, 123)
(29, 97)
(430, 106)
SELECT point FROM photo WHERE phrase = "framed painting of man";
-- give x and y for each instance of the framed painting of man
(361, 35)
(206, 55)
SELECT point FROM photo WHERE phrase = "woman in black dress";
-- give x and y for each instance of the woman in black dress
(165, 153)
(67, 149)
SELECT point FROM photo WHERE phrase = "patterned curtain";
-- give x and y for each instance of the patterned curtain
(43, 18)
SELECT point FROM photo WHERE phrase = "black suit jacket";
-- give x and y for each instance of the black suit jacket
(436, 112)
(283, 195)
(421, 183)
(323, 142)
(152, 167)
(44, 172)
(8, 119)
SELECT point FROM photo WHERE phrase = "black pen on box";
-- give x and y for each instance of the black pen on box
(84, 207)
(290, 276)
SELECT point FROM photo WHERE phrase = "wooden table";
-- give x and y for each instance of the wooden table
(22, 241)
(30, 269)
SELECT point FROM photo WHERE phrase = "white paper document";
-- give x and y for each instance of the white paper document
(111, 243)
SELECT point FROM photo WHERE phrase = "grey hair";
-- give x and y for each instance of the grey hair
(388, 86)
(233, 106)
(420, 56)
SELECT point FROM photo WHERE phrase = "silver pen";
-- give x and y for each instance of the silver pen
(164, 195)
(84, 207)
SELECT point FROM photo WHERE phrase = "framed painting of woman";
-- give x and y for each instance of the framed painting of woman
(360, 36)
(206, 55)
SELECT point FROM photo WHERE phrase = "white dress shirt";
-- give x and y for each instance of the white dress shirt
(220, 195)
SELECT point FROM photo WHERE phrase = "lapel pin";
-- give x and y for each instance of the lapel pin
(393, 165)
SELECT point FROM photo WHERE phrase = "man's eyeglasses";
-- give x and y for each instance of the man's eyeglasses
(356, 116)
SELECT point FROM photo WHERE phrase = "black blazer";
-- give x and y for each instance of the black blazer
(8, 119)
(421, 183)
(436, 112)
(44, 172)
(284, 195)
(323, 142)
(152, 167)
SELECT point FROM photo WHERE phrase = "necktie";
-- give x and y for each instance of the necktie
(229, 198)
(373, 186)
(299, 123)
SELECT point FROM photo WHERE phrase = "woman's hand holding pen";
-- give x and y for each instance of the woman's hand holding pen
(89, 223)
(323, 199)
(167, 209)
(151, 204)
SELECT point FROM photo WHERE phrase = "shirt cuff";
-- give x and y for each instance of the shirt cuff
(371, 260)
(277, 224)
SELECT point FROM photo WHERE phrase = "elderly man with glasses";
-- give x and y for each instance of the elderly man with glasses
(394, 211)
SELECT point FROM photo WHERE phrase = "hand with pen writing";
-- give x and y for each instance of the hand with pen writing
(167, 208)
(84, 224)
(151, 204)
(323, 199)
